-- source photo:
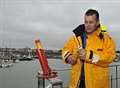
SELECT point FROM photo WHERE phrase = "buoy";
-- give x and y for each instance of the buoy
(47, 72)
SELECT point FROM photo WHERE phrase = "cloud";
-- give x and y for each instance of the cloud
(52, 21)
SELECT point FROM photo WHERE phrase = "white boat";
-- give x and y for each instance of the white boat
(6, 65)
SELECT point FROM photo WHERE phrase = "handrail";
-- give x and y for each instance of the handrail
(116, 78)
(116, 75)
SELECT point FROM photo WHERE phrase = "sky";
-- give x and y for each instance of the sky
(52, 21)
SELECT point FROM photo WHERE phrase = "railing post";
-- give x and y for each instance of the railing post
(56, 83)
(41, 82)
(53, 82)
(111, 81)
(116, 77)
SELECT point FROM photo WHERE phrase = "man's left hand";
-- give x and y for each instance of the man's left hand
(82, 54)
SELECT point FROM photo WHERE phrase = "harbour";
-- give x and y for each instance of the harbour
(24, 74)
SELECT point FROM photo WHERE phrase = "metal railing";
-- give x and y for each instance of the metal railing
(116, 78)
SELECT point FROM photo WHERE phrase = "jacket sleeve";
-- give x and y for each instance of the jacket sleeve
(69, 48)
(108, 54)
(109, 51)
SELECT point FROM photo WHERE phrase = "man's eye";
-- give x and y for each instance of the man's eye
(90, 22)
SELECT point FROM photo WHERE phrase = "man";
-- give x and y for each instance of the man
(89, 55)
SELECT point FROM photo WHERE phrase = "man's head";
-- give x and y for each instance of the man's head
(91, 20)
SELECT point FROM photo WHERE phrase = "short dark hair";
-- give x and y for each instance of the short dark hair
(90, 12)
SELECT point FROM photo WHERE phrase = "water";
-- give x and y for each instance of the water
(23, 74)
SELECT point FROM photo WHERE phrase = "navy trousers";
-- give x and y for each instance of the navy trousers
(82, 84)
(82, 81)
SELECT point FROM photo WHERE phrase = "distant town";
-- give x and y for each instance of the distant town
(25, 53)
(12, 55)
(9, 55)
(28, 53)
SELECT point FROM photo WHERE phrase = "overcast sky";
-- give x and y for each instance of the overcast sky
(51, 21)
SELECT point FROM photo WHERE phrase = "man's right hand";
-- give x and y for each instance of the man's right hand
(71, 60)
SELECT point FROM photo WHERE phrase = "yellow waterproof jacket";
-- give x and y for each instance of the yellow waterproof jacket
(96, 75)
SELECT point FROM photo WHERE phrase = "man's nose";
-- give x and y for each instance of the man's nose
(87, 25)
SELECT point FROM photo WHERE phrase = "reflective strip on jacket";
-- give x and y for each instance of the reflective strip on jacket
(96, 75)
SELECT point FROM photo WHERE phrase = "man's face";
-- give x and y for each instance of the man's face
(90, 23)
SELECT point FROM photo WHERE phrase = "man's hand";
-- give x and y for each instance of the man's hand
(82, 53)
(71, 60)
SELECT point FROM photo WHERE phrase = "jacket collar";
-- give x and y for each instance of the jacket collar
(81, 29)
